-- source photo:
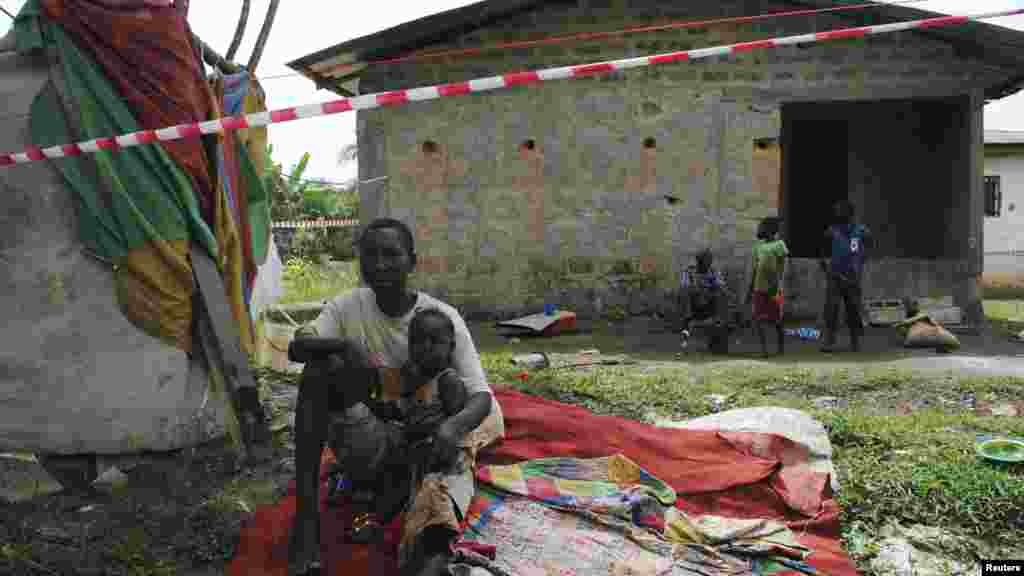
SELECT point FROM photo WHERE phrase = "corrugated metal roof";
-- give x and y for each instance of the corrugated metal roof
(1004, 137)
(337, 68)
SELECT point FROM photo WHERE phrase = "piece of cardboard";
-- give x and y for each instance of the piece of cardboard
(557, 323)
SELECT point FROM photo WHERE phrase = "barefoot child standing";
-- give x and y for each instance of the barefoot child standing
(769, 255)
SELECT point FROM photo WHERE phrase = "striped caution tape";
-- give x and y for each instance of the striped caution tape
(403, 97)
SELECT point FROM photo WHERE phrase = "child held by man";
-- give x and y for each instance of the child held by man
(432, 392)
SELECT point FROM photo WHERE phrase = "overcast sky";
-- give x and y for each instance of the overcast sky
(300, 30)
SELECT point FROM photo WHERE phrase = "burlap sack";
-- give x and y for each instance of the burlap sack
(926, 333)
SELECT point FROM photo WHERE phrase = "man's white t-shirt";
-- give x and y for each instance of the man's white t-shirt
(357, 317)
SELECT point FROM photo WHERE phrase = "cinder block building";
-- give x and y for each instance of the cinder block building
(557, 191)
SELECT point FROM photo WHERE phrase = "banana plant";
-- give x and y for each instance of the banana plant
(289, 190)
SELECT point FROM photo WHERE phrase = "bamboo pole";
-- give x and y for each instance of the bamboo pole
(243, 23)
(261, 41)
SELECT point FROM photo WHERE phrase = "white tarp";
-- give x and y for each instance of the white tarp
(269, 284)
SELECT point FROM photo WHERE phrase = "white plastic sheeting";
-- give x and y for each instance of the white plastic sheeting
(269, 285)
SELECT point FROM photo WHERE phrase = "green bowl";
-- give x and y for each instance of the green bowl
(1001, 450)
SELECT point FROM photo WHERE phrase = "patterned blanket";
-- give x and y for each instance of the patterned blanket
(574, 517)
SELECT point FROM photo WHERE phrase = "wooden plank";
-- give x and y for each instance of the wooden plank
(216, 310)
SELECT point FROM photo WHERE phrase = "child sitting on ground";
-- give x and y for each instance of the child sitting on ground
(769, 273)
(703, 289)
(432, 392)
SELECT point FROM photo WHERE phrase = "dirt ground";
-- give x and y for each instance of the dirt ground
(180, 513)
(654, 339)
(171, 513)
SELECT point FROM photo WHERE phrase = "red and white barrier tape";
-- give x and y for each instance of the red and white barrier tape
(333, 223)
(402, 97)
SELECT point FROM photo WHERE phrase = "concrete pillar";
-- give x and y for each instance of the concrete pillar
(785, 172)
(967, 293)
(372, 170)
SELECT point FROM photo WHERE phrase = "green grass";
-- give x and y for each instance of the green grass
(922, 469)
(305, 281)
(1007, 310)
(135, 555)
(1006, 316)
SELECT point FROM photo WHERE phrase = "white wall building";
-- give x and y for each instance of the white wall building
(1004, 202)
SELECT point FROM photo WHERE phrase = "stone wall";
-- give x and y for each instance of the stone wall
(501, 225)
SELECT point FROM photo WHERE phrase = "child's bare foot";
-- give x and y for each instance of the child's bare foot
(366, 529)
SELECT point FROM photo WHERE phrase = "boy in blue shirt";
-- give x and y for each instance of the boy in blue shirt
(845, 272)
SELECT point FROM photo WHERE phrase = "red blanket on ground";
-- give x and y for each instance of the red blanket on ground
(743, 475)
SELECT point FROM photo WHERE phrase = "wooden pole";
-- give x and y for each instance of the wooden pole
(261, 41)
(243, 23)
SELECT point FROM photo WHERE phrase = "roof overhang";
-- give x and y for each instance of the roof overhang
(338, 68)
(339, 65)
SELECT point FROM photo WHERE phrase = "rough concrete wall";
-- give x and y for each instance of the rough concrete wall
(75, 376)
(890, 278)
(590, 179)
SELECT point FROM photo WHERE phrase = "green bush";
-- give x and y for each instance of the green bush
(308, 281)
(313, 243)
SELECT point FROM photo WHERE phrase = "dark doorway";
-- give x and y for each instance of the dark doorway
(816, 174)
(901, 162)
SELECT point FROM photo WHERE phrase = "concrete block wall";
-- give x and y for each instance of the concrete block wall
(589, 196)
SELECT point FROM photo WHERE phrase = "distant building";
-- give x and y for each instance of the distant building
(546, 193)
(1004, 202)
